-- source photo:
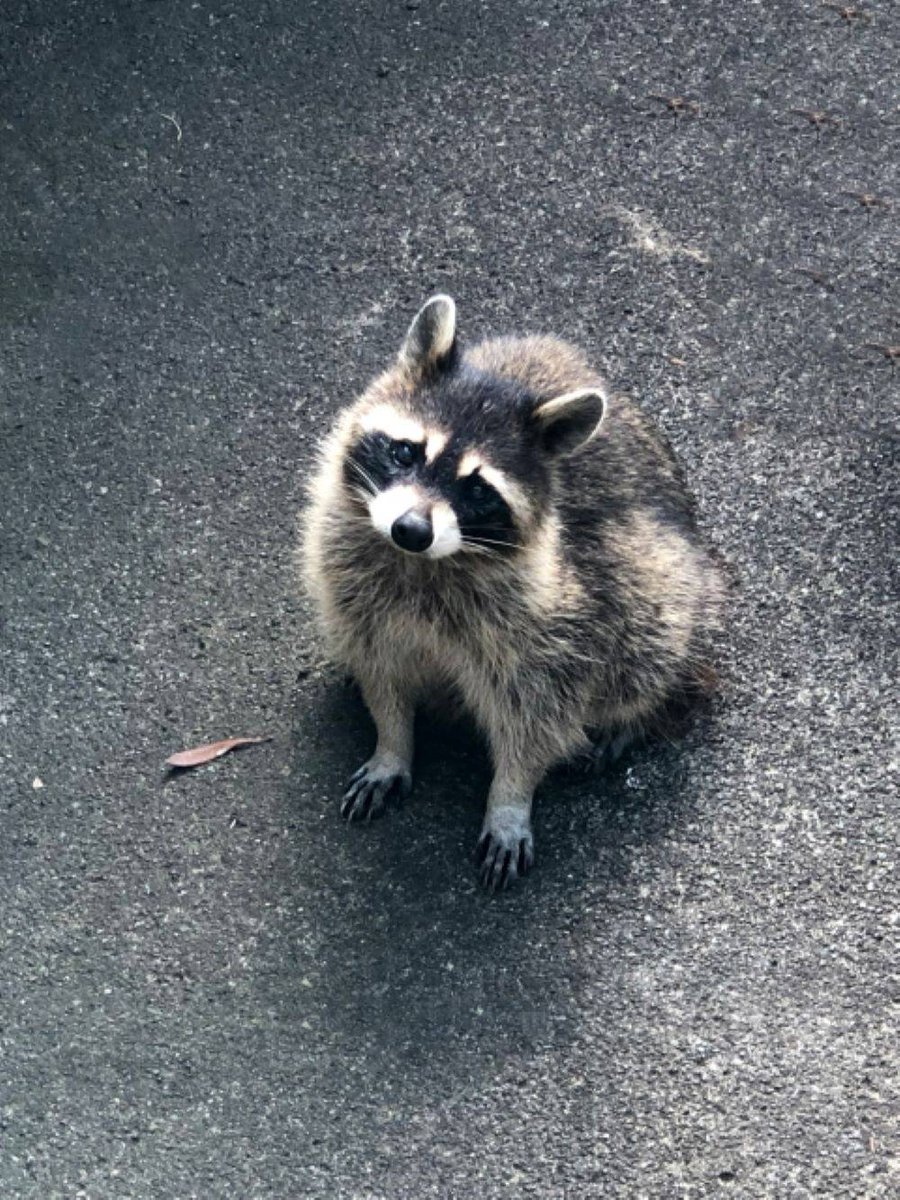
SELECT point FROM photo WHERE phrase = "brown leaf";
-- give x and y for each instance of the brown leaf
(199, 755)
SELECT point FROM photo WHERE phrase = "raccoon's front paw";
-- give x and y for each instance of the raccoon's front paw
(505, 850)
(376, 782)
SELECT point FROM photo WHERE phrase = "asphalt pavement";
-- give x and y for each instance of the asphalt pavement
(216, 220)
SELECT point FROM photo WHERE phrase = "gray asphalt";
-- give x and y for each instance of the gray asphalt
(216, 220)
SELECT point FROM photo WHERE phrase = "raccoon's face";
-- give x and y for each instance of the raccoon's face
(447, 460)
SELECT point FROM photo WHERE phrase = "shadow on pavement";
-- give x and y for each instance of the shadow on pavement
(404, 966)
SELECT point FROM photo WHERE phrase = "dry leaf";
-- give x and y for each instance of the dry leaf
(204, 754)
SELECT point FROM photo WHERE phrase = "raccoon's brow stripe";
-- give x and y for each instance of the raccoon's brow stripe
(396, 425)
(508, 491)
(469, 464)
(434, 444)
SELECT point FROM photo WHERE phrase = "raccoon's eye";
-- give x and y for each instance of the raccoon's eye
(479, 492)
(403, 453)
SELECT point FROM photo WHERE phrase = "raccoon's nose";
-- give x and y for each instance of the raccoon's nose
(413, 532)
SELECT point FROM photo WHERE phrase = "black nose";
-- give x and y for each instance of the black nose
(412, 532)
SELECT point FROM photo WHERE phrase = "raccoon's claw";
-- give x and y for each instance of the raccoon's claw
(504, 854)
(370, 789)
(600, 755)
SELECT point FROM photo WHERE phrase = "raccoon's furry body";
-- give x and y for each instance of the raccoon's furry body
(563, 592)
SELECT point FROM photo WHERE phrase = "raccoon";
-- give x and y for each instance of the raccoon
(493, 525)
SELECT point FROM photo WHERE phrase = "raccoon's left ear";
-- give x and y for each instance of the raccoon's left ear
(430, 343)
(567, 422)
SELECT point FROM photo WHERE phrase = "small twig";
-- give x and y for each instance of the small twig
(818, 277)
(869, 199)
(171, 117)
(817, 116)
(677, 105)
(891, 353)
(848, 12)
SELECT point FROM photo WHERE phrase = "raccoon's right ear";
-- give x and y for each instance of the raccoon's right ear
(567, 422)
(430, 343)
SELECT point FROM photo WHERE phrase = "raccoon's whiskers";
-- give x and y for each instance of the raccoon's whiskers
(478, 540)
(485, 551)
(357, 518)
(365, 477)
(361, 494)
(473, 543)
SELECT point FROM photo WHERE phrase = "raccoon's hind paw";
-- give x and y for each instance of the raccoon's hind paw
(371, 787)
(603, 753)
(505, 850)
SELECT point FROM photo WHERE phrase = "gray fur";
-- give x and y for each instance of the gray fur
(595, 621)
